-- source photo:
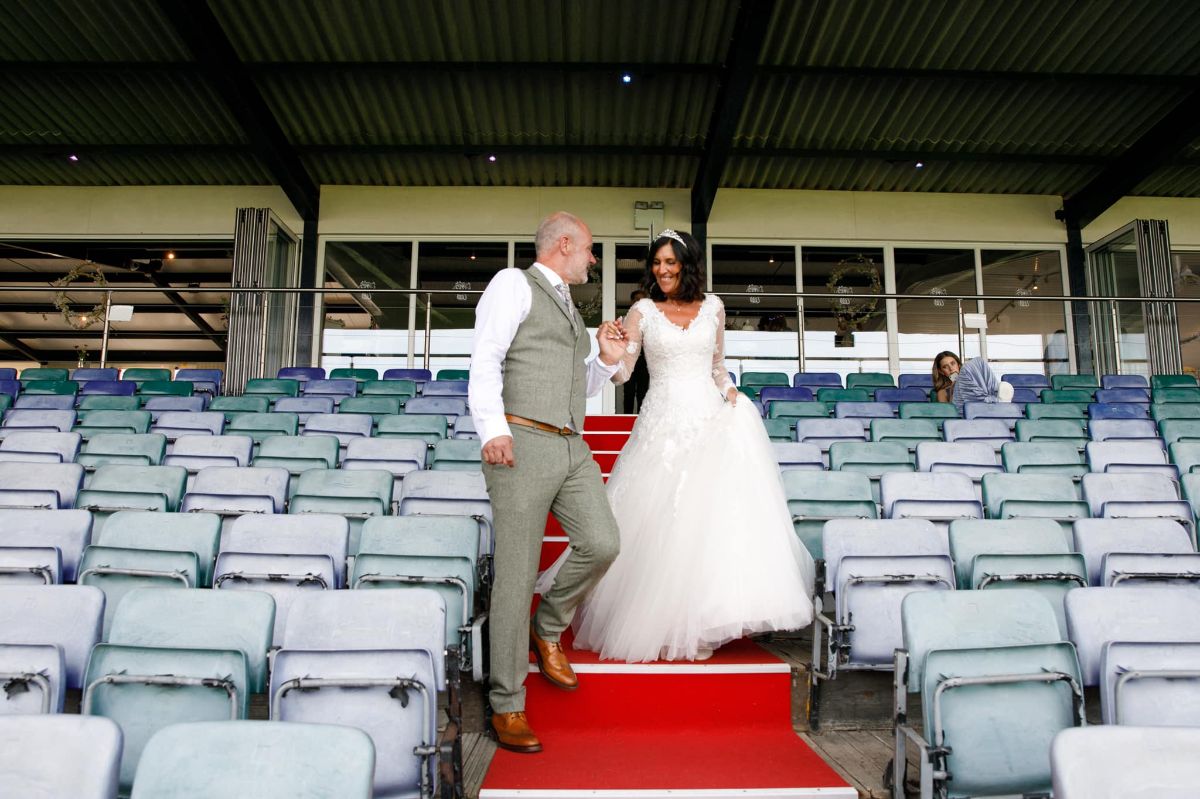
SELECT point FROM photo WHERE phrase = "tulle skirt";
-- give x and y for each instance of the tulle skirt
(708, 553)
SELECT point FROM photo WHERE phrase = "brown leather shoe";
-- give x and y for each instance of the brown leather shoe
(552, 661)
(513, 733)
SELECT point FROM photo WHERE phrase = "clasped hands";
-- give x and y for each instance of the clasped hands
(611, 337)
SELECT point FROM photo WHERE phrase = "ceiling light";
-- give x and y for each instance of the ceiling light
(170, 255)
(492, 158)
(72, 157)
(626, 78)
(919, 165)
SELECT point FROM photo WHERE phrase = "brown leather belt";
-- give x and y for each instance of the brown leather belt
(549, 428)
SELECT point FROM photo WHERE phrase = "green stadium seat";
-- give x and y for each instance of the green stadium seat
(138, 449)
(359, 375)
(426, 427)
(456, 454)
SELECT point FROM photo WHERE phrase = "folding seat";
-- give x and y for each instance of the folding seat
(105, 421)
(139, 449)
(989, 431)
(142, 375)
(29, 447)
(89, 374)
(298, 454)
(438, 552)
(355, 494)
(337, 390)
(45, 402)
(163, 388)
(817, 380)
(418, 376)
(871, 566)
(341, 656)
(50, 387)
(376, 407)
(1059, 410)
(8, 373)
(265, 759)
(937, 411)
(300, 374)
(1118, 411)
(1150, 684)
(357, 375)
(790, 412)
(43, 373)
(969, 538)
(832, 396)
(794, 455)
(1042, 496)
(1010, 412)
(1109, 382)
(770, 395)
(160, 405)
(233, 491)
(895, 396)
(1139, 613)
(824, 432)
(941, 497)
(200, 452)
(778, 430)
(208, 647)
(115, 487)
(283, 559)
(1175, 430)
(1135, 496)
(38, 420)
(429, 429)
(1107, 429)
(997, 682)
(752, 393)
(1075, 396)
(261, 426)
(816, 497)
(46, 539)
(1071, 432)
(1033, 381)
(59, 756)
(1173, 381)
(1124, 396)
(1064, 381)
(272, 389)
(233, 407)
(1169, 395)
(756, 379)
(864, 412)
(108, 388)
(344, 426)
(445, 388)
(1098, 539)
(1048, 457)
(398, 456)
(1143, 457)
(304, 407)
(107, 402)
(870, 381)
(1185, 455)
(404, 390)
(870, 458)
(177, 424)
(973, 459)
(909, 432)
(10, 388)
(431, 493)
(1111, 762)
(464, 427)
(1024, 396)
(461, 455)
(52, 486)
(921, 380)
(450, 407)
(204, 381)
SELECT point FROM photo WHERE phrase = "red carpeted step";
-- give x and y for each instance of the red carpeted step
(606, 442)
(713, 729)
(612, 423)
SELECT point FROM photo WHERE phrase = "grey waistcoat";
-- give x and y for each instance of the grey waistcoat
(544, 376)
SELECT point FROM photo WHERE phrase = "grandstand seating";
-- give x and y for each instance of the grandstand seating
(1110, 762)
(233, 491)
(31, 447)
(305, 406)
(52, 486)
(59, 756)
(301, 374)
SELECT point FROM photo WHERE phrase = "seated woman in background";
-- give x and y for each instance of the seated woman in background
(976, 382)
(945, 368)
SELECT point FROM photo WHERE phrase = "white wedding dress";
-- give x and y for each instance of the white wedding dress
(708, 553)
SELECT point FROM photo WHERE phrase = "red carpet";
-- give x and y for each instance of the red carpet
(722, 727)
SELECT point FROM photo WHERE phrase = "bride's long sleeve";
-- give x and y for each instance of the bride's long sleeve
(633, 346)
(720, 373)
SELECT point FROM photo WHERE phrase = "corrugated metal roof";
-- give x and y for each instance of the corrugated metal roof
(87, 30)
(129, 169)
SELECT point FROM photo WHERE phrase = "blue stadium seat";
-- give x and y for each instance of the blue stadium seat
(110, 388)
(941, 497)
(1111, 762)
(994, 432)
(1033, 381)
(45, 402)
(30, 447)
(66, 617)
(51, 486)
(230, 491)
(450, 407)
(301, 374)
(337, 390)
(921, 380)
(794, 455)
(60, 534)
(1135, 496)
(304, 407)
(1143, 457)
(971, 458)
(176, 424)
(1108, 429)
(418, 376)
(1117, 410)
(817, 380)
(1096, 539)
(204, 381)
(1124, 381)
(59, 756)
(895, 396)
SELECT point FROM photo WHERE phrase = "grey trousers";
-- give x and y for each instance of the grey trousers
(556, 474)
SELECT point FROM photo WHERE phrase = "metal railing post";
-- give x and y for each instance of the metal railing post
(962, 340)
(104, 341)
(428, 326)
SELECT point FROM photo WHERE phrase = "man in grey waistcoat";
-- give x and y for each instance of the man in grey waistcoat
(528, 389)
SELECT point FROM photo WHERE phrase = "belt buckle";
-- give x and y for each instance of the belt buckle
(564, 431)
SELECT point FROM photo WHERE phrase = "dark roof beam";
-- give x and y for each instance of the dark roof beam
(178, 301)
(114, 334)
(10, 338)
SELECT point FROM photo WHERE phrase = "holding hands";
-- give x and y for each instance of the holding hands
(611, 338)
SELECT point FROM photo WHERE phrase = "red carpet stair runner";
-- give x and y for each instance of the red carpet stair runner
(720, 728)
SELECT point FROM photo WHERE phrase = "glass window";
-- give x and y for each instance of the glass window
(761, 331)
(927, 327)
(631, 268)
(363, 328)
(1025, 335)
(1186, 267)
(460, 266)
(847, 332)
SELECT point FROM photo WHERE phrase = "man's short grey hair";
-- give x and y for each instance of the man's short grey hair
(553, 228)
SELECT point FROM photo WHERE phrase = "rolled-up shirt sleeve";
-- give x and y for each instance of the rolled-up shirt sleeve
(501, 310)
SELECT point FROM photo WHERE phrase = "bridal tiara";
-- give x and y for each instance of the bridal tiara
(671, 234)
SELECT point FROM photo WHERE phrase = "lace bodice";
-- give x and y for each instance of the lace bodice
(688, 378)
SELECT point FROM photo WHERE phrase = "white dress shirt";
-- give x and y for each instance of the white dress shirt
(501, 310)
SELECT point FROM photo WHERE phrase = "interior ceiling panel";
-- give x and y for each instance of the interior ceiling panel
(1022, 96)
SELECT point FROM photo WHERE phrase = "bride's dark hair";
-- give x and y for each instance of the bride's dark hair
(691, 272)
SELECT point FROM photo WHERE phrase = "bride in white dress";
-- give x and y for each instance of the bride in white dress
(708, 553)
